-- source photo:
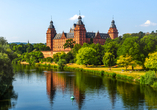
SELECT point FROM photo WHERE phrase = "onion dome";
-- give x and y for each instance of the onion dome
(113, 24)
(51, 24)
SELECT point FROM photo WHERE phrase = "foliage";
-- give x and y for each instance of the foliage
(56, 57)
(131, 47)
(142, 80)
(69, 44)
(125, 61)
(86, 55)
(22, 48)
(147, 45)
(150, 77)
(99, 52)
(61, 63)
(109, 59)
(151, 62)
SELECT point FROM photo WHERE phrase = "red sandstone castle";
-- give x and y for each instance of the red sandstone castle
(78, 34)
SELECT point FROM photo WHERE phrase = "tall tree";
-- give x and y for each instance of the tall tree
(131, 47)
(86, 55)
(109, 59)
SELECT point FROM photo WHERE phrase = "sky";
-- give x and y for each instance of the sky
(23, 20)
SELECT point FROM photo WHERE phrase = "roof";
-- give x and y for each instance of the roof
(92, 35)
(113, 24)
(88, 35)
(51, 25)
(67, 35)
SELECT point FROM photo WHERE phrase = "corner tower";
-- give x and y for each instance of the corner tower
(80, 32)
(113, 32)
(51, 32)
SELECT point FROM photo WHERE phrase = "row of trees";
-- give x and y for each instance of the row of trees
(126, 50)
(22, 48)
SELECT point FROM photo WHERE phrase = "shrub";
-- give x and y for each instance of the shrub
(61, 63)
(142, 80)
(150, 77)
(155, 85)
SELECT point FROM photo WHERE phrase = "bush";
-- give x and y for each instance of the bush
(155, 85)
(142, 80)
(150, 77)
(61, 63)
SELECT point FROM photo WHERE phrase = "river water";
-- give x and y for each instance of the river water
(47, 89)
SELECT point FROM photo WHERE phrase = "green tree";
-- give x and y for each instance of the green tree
(56, 57)
(147, 45)
(109, 59)
(61, 63)
(99, 52)
(151, 62)
(125, 61)
(131, 47)
(86, 55)
(69, 43)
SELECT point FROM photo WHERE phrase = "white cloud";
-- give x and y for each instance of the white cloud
(76, 17)
(148, 23)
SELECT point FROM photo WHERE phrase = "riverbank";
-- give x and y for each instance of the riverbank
(114, 72)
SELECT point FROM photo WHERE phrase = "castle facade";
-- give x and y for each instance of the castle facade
(79, 34)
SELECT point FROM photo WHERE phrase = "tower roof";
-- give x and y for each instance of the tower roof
(51, 24)
(79, 22)
(113, 24)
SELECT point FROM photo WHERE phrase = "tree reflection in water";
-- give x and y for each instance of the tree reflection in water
(9, 99)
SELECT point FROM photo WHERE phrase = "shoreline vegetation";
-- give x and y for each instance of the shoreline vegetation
(115, 72)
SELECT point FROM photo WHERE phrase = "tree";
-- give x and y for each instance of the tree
(125, 61)
(131, 47)
(74, 50)
(91, 41)
(69, 43)
(61, 63)
(109, 59)
(147, 45)
(99, 52)
(151, 62)
(56, 57)
(86, 55)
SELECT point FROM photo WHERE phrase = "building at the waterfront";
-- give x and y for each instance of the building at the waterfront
(79, 34)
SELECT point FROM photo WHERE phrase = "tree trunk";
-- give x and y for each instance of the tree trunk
(132, 68)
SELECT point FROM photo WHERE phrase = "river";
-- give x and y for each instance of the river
(47, 89)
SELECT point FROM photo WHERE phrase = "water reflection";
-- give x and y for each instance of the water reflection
(91, 91)
(9, 99)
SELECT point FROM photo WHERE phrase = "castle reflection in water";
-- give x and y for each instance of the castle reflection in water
(56, 81)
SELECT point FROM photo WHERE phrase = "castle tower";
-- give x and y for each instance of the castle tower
(113, 32)
(51, 32)
(80, 32)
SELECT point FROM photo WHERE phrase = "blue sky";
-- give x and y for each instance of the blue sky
(23, 20)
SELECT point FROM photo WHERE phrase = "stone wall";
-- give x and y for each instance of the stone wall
(47, 53)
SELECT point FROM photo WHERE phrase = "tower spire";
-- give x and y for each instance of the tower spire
(51, 17)
(79, 13)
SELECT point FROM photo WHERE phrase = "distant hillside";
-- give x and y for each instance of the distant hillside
(18, 42)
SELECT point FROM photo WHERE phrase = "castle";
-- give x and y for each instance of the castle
(79, 34)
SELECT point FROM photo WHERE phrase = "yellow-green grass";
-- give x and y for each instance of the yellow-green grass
(136, 74)
(118, 70)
